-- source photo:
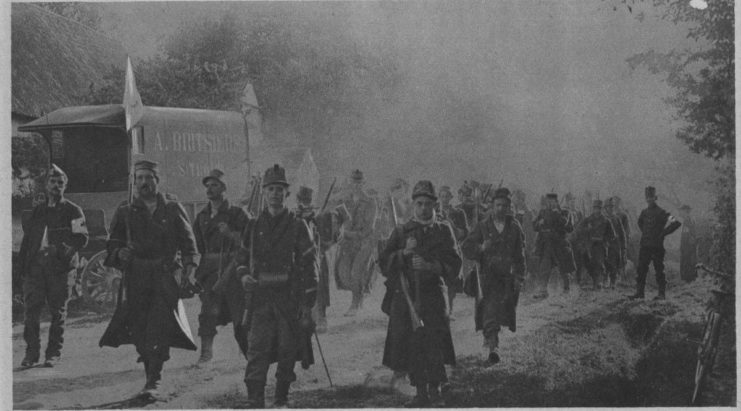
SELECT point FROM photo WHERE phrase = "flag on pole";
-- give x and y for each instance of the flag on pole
(132, 101)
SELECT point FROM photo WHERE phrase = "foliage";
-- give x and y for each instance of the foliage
(301, 72)
(723, 251)
(82, 13)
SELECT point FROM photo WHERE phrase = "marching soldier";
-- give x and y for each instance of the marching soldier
(318, 224)
(655, 223)
(498, 243)
(552, 248)
(457, 220)
(218, 229)
(598, 233)
(152, 242)
(616, 249)
(355, 243)
(467, 203)
(52, 236)
(277, 263)
(420, 258)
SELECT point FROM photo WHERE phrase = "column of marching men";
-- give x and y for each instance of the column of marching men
(269, 273)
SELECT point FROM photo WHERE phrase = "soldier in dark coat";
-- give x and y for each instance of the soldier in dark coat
(498, 244)
(52, 236)
(616, 249)
(356, 243)
(421, 254)
(655, 223)
(218, 230)
(552, 248)
(152, 242)
(688, 245)
(598, 233)
(457, 220)
(278, 266)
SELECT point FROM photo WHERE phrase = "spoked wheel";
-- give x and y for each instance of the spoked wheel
(706, 352)
(100, 283)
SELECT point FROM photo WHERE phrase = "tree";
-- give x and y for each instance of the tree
(703, 81)
(83, 13)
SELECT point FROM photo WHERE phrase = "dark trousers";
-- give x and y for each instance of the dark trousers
(149, 312)
(45, 282)
(646, 255)
(219, 308)
(272, 332)
(597, 259)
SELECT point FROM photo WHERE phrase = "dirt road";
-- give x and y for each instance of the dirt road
(583, 348)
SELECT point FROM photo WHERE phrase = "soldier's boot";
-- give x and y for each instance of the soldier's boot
(639, 292)
(421, 400)
(153, 371)
(255, 394)
(207, 345)
(281, 393)
(662, 293)
(31, 358)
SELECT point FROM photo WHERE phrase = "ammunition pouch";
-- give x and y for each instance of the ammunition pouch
(273, 279)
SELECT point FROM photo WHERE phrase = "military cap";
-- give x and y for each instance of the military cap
(597, 203)
(56, 171)
(275, 175)
(357, 176)
(215, 174)
(650, 191)
(552, 195)
(152, 166)
(503, 193)
(424, 188)
(305, 194)
(466, 189)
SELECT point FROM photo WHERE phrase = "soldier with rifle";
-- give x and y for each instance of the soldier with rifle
(420, 259)
(552, 224)
(598, 232)
(277, 264)
(498, 245)
(457, 220)
(152, 243)
(320, 224)
(218, 230)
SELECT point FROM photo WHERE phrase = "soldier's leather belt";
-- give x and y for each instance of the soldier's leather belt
(272, 279)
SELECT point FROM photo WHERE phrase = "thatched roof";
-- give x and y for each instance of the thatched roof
(55, 60)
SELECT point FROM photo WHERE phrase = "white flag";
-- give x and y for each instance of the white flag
(132, 101)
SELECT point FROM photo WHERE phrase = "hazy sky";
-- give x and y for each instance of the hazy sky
(536, 92)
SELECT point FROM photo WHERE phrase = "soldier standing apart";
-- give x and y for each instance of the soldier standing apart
(552, 225)
(617, 247)
(655, 223)
(51, 238)
(457, 220)
(355, 243)
(146, 238)
(218, 230)
(498, 243)
(318, 224)
(422, 253)
(597, 232)
(283, 277)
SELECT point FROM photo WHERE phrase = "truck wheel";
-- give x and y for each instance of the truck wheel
(100, 283)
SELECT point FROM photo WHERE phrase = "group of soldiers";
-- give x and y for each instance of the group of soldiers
(269, 273)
